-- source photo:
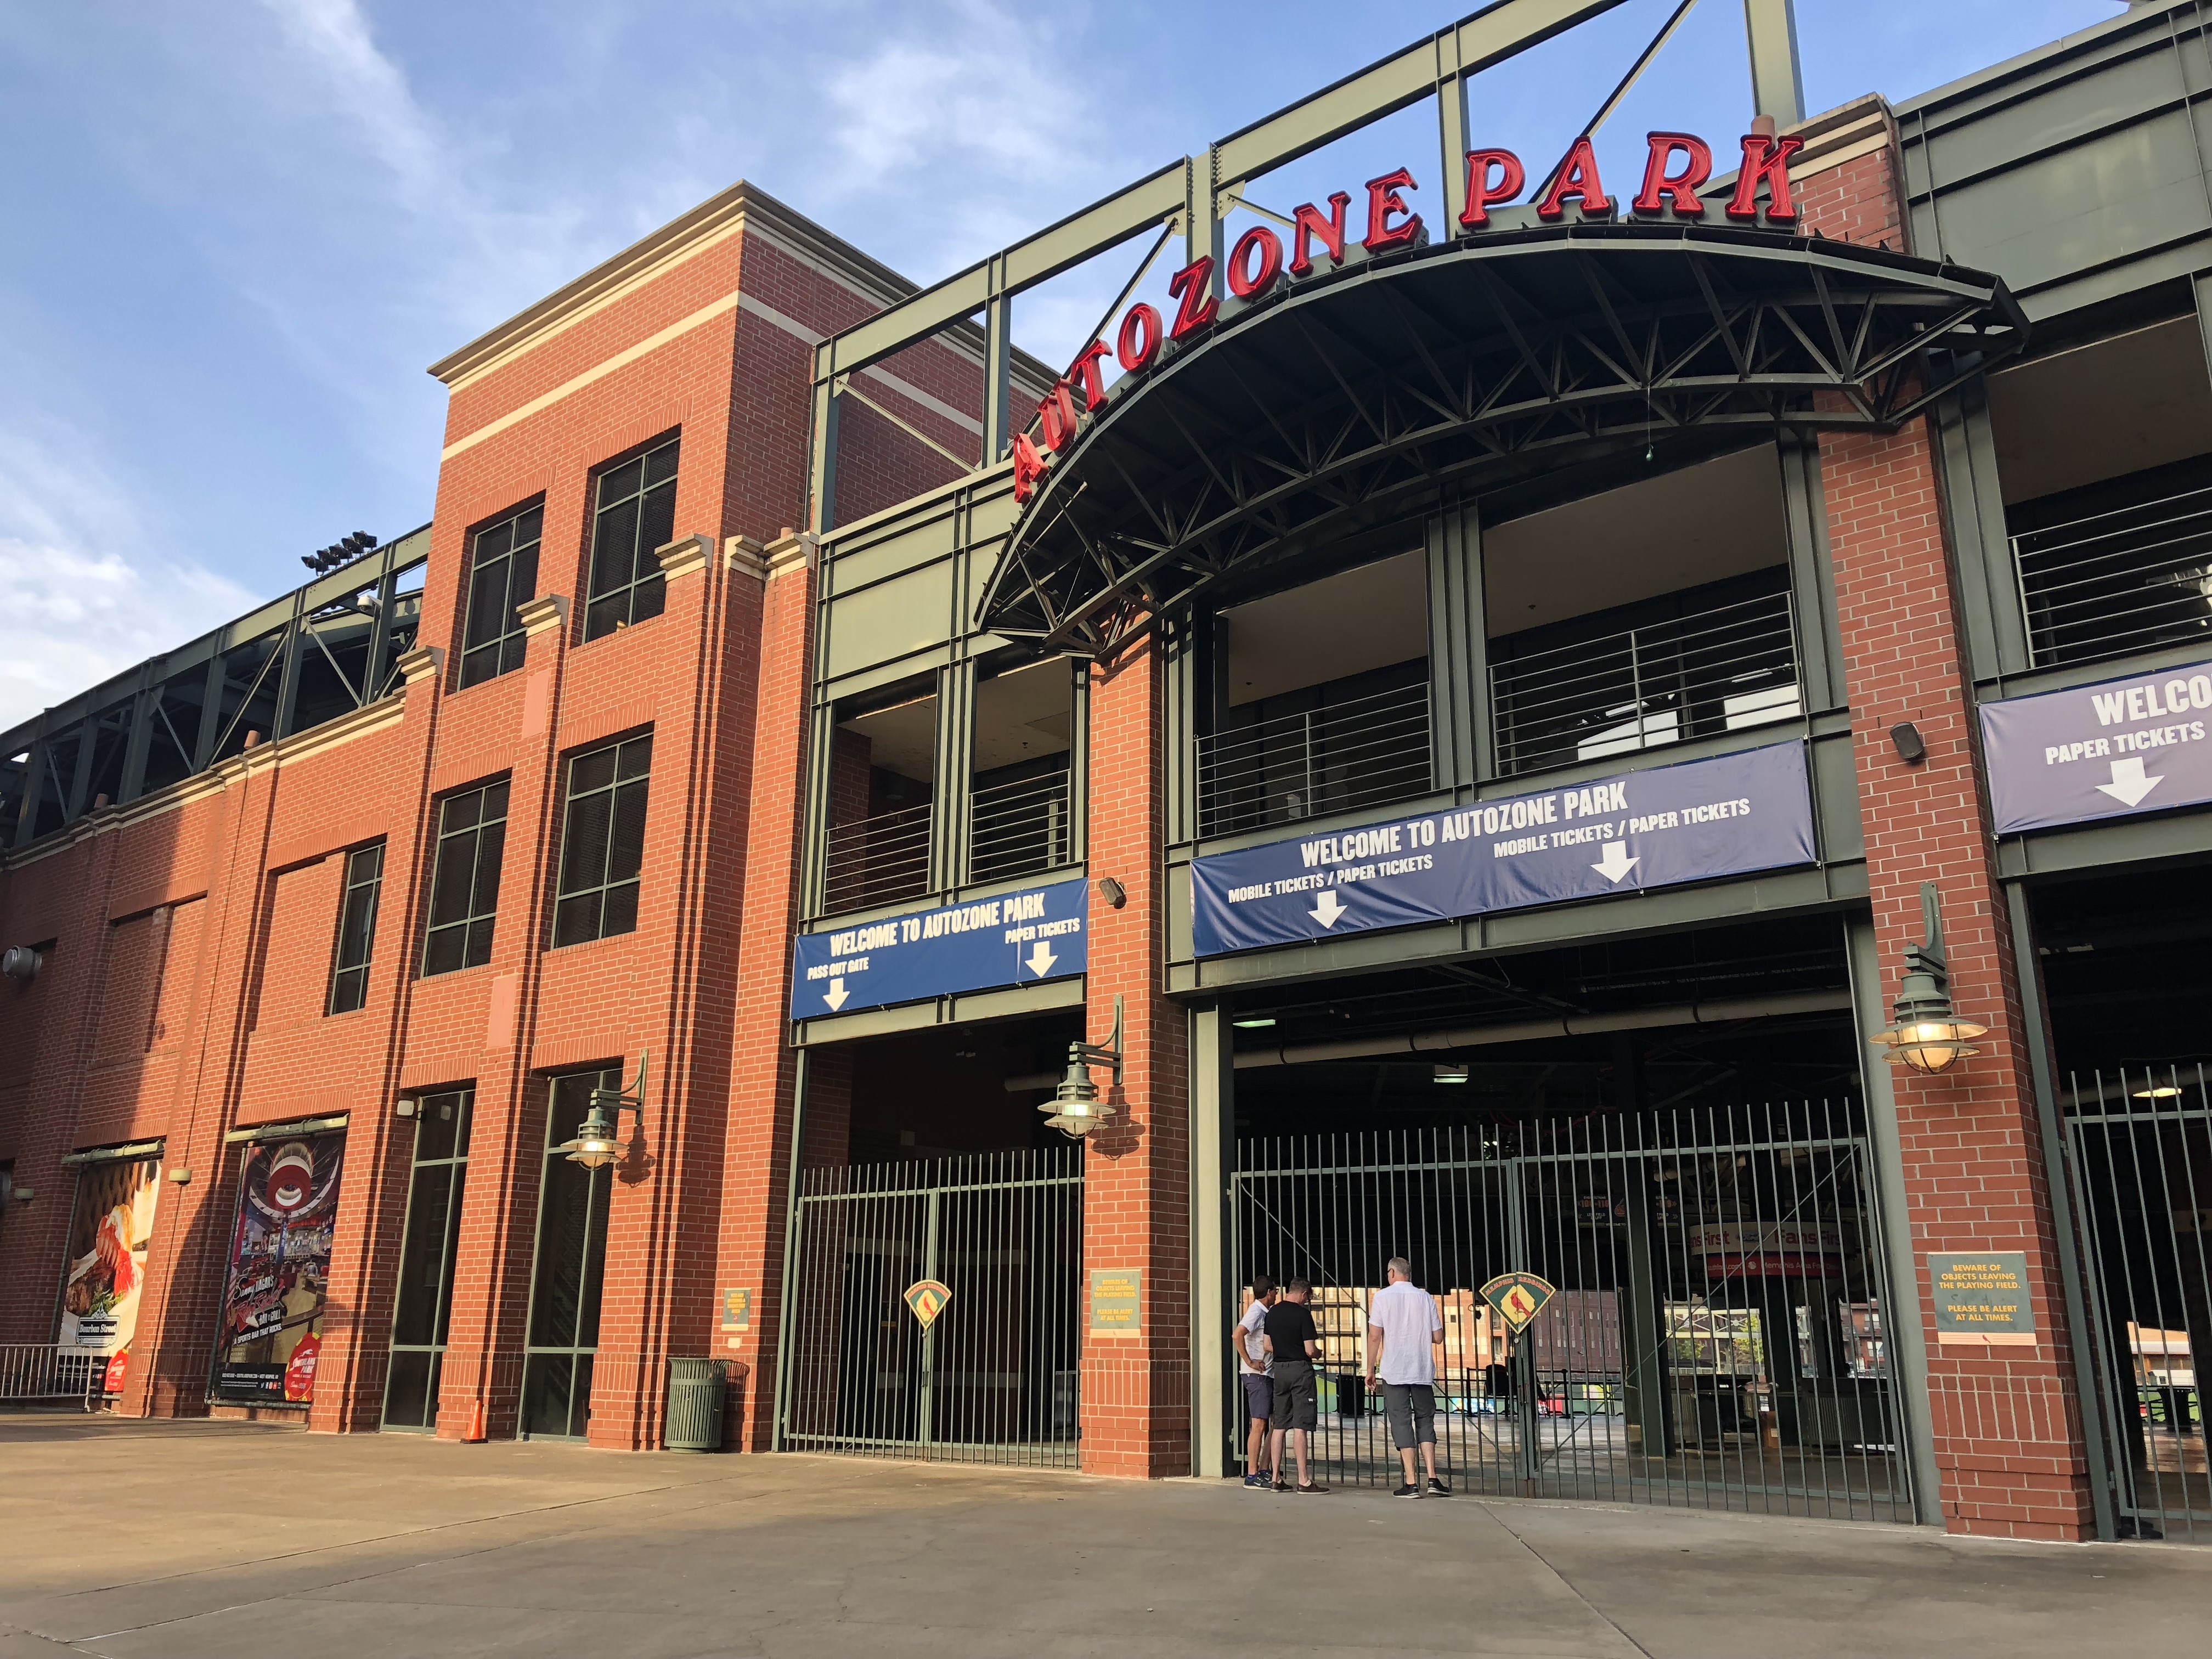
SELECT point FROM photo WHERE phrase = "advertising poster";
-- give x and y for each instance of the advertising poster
(279, 1270)
(110, 1226)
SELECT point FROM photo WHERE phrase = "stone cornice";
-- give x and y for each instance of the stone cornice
(683, 555)
(546, 610)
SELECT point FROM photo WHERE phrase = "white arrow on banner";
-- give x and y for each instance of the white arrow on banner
(1616, 863)
(1040, 959)
(1328, 909)
(2128, 785)
(835, 995)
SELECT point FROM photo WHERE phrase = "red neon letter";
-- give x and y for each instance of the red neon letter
(1309, 225)
(1142, 323)
(1058, 411)
(1029, 466)
(1481, 194)
(1085, 371)
(1383, 201)
(1243, 281)
(1683, 187)
(1768, 159)
(1576, 177)
(1193, 286)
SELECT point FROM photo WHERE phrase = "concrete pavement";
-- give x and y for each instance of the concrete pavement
(172, 1540)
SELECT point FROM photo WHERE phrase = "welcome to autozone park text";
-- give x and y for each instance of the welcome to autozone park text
(1568, 818)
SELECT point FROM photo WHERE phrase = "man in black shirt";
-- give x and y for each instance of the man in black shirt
(1289, 1336)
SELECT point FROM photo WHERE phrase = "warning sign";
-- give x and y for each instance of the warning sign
(1982, 1297)
(1518, 1298)
(927, 1298)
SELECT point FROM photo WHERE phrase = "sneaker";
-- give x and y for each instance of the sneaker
(1437, 1489)
(1310, 1489)
(1281, 1485)
(1257, 1483)
(1406, 1492)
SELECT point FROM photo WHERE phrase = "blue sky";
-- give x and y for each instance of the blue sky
(239, 230)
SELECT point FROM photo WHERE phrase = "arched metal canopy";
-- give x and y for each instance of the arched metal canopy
(1314, 413)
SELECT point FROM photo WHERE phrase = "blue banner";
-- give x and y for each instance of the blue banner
(1013, 938)
(1692, 822)
(2100, 751)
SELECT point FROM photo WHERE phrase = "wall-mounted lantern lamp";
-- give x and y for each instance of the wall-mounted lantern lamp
(598, 1136)
(1075, 1109)
(1928, 1036)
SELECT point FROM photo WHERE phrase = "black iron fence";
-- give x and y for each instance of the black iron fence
(936, 1311)
(877, 860)
(1716, 1338)
(1721, 670)
(2137, 579)
(2139, 1146)
(1365, 751)
(1017, 829)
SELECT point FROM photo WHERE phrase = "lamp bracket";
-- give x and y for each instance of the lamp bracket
(1107, 1053)
(618, 1101)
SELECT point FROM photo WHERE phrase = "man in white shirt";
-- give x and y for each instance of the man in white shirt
(1253, 1363)
(1405, 1333)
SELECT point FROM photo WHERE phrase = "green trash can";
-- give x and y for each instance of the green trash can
(696, 1391)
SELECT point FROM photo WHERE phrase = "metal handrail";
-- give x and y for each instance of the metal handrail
(2132, 578)
(1019, 828)
(1357, 753)
(877, 860)
(1721, 670)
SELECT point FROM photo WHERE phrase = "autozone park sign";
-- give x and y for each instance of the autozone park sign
(1678, 166)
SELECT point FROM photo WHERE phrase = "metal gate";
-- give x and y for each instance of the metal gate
(2139, 1152)
(991, 1378)
(1716, 1338)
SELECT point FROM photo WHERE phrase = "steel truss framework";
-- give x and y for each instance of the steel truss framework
(1329, 407)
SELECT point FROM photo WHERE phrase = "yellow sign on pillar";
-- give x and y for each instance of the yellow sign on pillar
(927, 1298)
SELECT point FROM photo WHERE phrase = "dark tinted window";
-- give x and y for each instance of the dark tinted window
(635, 513)
(465, 879)
(364, 880)
(502, 574)
(603, 841)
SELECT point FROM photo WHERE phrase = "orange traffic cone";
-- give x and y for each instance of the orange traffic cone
(475, 1433)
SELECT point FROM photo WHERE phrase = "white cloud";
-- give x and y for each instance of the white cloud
(81, 595)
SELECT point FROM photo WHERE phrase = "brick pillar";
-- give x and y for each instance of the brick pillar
(763, 1066)
(485, 1332)
(2007, 1421)
(1136, 1390)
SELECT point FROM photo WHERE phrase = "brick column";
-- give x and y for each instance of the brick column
(1135, 1388)
(485, 1332)
(763, 1066)
(2007, 1421)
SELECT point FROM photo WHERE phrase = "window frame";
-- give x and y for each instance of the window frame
(350, 886)
(606, 886)
(508, 645)
(643, 595)
(591, 1260)
(454, 1161)
(488, 915)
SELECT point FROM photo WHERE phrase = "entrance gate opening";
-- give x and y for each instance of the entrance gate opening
(1717, 1337)
(991, 1377)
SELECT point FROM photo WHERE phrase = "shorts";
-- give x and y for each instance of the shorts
(1295, 1405)
(1258, 1396)
(1413, 1408)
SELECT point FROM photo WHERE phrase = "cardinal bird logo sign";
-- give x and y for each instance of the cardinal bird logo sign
(927, 1298)
(1518, 1298)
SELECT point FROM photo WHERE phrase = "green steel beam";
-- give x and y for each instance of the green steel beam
(1487, 37)
(1778, 85)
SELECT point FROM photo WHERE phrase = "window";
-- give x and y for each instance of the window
(603, 841)
(502, 574)
(637, 514)
(364, 879)
(564, 1284)
(427, 1254)
(465, 881)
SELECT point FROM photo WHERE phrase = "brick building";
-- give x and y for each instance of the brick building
(1472, 722)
